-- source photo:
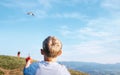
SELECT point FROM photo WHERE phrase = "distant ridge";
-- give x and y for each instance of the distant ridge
(94, 68)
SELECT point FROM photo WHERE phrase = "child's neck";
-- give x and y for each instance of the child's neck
(50, 59)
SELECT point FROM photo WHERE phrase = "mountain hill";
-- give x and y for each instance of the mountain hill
(94, 68)
(10, 65)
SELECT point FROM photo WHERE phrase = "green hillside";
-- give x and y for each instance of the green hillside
(10, 65)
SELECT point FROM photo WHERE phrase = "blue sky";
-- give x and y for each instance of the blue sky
(88, 29)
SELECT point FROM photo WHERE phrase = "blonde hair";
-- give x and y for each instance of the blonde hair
(52, 46)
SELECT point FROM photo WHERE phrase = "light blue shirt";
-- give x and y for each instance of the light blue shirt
(46, 68)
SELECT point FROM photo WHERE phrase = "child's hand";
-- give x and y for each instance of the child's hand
(28, 61)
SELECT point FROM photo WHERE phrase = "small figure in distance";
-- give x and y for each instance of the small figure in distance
(18, 54)
(51, 49)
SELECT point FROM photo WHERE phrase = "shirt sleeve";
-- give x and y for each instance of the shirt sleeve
(31, 70)
(27, 71)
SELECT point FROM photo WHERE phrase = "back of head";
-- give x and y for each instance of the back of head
(52, 46)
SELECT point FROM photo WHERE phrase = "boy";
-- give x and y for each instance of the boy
(52, 48)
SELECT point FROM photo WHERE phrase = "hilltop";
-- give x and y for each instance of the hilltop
(11, 65)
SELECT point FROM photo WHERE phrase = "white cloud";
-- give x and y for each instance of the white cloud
(64, 30)
(42, 8)
(77, 2)
(88, 48)
(111, 4)
(112, 7)
(98, 41)
(46, 3)
(72, 15)
(9, 20)
(40, 13)
(92, 51)
(18, 4)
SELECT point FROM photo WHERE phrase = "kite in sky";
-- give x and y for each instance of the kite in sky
(30, 13)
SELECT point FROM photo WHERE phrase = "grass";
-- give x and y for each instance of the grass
(1, 72)
(11, 65)
(73, 72)
(11, 62)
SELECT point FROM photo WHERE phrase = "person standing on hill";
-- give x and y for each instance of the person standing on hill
(18, 54)
(52, 48)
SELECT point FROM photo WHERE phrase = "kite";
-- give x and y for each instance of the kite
(30, 13)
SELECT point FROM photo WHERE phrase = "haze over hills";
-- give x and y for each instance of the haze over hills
(95, 68)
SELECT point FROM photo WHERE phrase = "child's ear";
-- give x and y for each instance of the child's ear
(42, 51)
(60, 52)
